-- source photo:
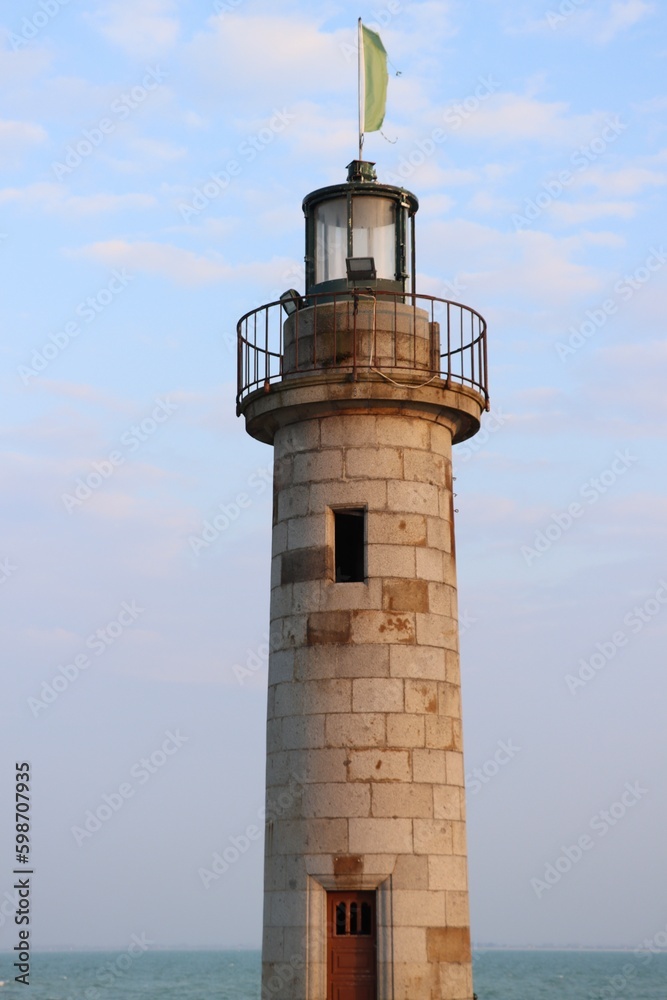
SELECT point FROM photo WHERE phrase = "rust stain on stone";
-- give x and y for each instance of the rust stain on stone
(328, 626)
(398, 628)
(397, 624)
(448, 944)
(405, 595)
(348, 864)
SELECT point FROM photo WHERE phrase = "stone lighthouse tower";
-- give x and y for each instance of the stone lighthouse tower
(362, 386)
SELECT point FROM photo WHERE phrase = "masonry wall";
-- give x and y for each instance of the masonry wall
(365, 778)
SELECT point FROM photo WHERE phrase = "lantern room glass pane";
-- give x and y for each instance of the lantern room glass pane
(330, 240)
(407, 229)
(374, 233)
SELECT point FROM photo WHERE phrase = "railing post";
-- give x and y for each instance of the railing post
(486, 363)
(414, 330)
(314, 364)
(239, 368)
(354, 336)
(254, 344)
(449, 343)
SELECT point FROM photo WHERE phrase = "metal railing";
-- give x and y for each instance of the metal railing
(333, 331)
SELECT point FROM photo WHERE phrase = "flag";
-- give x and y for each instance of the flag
(374, 62)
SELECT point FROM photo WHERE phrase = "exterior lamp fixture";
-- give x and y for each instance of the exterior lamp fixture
(360, 269)
(290, 301)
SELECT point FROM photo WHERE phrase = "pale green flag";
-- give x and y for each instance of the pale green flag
(375, 80)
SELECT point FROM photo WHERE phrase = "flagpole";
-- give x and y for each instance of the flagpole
(361, 89)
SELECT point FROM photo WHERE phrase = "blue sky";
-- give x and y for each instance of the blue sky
(534, 135)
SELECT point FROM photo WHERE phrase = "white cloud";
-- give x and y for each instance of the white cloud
(631, 385)
(511, 117)
(18, 137)
(194, 120)
(599, 24)
(623, 14)
(422, 33)
(484, 201)
(428, 172)
(273, 57)
(623, 183)
(95, 203)
(532, 266)
(642, 514)
(436, 204)
(142, 28)
(24, 64)
(83, 392)
(312, 131)
(156, 149)
(181, 266)
(146, 154)
(431, 20)
(210, 229)
(638, 356)
(652, 106)
(55, 198)
(572, 214)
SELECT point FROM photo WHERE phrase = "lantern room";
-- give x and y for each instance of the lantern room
(360, 235)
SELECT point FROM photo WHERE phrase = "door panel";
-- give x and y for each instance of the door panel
(351, 946)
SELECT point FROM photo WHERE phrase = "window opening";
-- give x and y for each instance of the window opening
(365, 918)
(349, 545)
(340, 918)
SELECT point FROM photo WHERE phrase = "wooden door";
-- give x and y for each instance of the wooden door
(351, 946)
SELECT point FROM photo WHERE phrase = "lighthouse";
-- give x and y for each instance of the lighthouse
(362, 386)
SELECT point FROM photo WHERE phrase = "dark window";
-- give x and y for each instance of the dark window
(340, 918)
(360, 917)
(349, 545)
(365, 918)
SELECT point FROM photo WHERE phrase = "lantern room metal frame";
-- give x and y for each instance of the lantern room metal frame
(360, 219)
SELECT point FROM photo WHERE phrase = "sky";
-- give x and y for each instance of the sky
(154, 155)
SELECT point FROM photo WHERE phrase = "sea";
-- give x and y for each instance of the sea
(235, 975)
